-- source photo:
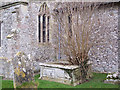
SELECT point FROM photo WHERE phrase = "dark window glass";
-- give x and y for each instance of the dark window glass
(70, 24)
(48, 29)
(39, 17)
(44, 27)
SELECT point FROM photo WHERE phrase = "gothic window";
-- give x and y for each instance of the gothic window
(43, 24)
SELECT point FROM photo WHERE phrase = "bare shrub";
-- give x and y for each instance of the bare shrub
(75, 22)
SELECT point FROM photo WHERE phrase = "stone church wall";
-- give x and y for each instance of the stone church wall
(105, 58)
(20, 35)
(21, 22)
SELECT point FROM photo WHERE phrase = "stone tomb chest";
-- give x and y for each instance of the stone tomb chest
(59, 72)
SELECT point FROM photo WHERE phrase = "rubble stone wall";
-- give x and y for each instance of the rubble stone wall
(21, 24)
(105, 55)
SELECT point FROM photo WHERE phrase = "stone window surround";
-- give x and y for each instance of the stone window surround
(43, 11)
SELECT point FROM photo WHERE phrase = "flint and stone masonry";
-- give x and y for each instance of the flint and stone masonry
(20, 33)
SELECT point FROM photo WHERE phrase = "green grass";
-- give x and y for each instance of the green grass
(7, 84)
(29, 85)
(0, 82)
(95, 82)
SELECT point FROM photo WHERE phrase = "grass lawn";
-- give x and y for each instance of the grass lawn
(0, 82)
(95, 82)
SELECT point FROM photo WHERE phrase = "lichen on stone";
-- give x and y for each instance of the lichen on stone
(17, 71)
(10, 36)
(3, 58)
(20, 53)
(23, 74)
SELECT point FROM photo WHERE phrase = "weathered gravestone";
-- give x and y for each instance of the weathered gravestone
(22, 69)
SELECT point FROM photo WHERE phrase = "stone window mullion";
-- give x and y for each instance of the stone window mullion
(41, 28)
(0, 34)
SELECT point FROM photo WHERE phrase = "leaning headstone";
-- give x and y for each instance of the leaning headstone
(22, 69)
